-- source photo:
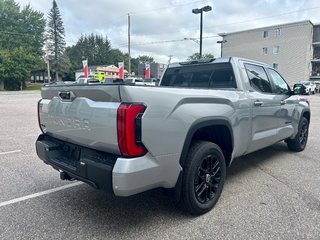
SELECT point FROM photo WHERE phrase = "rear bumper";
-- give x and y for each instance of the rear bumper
(121, 176)
(80, 163)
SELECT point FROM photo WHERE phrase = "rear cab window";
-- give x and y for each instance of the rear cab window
(206, 76)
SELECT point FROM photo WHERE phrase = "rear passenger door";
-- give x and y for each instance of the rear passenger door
(265, 108)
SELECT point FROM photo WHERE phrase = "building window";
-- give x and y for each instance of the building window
(275, 66)
(265, 51)
(277, 32)
(276, 49)
(265, 34)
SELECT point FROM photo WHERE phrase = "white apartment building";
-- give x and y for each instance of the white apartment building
(293, 48)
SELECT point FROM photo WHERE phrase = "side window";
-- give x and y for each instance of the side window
(280, 85)
(258, 78)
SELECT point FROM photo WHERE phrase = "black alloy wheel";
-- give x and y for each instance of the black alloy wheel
(207, 180)
(299, 143)
(303, 134)
(203, 177)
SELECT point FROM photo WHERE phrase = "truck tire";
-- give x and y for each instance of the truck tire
(299, 143)
(203, 177)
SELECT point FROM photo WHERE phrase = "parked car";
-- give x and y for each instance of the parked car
(112, 80)
(81, 80)
(151, 82)
(134, 80)
(69, 82)
(310, 86)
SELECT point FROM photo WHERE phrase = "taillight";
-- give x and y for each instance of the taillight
(129, 129)
(38, 110)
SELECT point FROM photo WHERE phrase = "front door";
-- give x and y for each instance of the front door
(287, 103)
(265, 106)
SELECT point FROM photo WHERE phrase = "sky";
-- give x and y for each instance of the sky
(159, 27)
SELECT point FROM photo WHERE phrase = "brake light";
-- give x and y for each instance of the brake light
(129, 129)
(38, 110)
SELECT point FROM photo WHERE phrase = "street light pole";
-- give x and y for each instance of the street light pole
(129, 48)
(221, 42)
(201, 17)
(197, 11)
(48, 68)
(48, 62)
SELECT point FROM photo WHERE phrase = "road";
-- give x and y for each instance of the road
(270, 194)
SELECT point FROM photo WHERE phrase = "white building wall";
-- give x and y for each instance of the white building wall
(295, 48)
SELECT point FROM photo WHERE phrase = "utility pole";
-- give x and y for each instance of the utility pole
(48, 63)
(129, 62)
(48, 69)
(170, 56)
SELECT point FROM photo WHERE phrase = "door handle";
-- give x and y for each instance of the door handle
(258, 103)
(283, 102)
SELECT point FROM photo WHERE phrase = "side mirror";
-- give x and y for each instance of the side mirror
(298, 91)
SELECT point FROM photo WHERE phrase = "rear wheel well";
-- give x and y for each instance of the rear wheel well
(215, 131)
(218, 134)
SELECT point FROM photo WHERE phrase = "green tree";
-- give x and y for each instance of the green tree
(15, 65)
(32, 23)
(21, 30)
(196, 56)
(116, 56)
(55, 37)
(145, 59)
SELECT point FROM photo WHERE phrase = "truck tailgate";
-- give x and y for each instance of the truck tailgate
(84, 115)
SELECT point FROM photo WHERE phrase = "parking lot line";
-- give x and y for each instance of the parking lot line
(15, 151)
(34, 195)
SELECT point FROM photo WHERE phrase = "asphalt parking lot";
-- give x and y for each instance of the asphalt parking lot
(270, 194)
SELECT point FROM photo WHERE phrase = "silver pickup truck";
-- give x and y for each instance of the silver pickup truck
(180, 135)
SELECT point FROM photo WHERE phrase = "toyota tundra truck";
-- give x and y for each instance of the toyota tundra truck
(180, 135)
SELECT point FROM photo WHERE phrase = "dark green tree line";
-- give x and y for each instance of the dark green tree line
(97, 49)
(196, 56)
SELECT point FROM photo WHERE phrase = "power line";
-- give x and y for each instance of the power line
(164, 41)
(147, 11)
(245, 21)
(163, 8)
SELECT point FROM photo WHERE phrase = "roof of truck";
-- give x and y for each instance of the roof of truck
(214, 60)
